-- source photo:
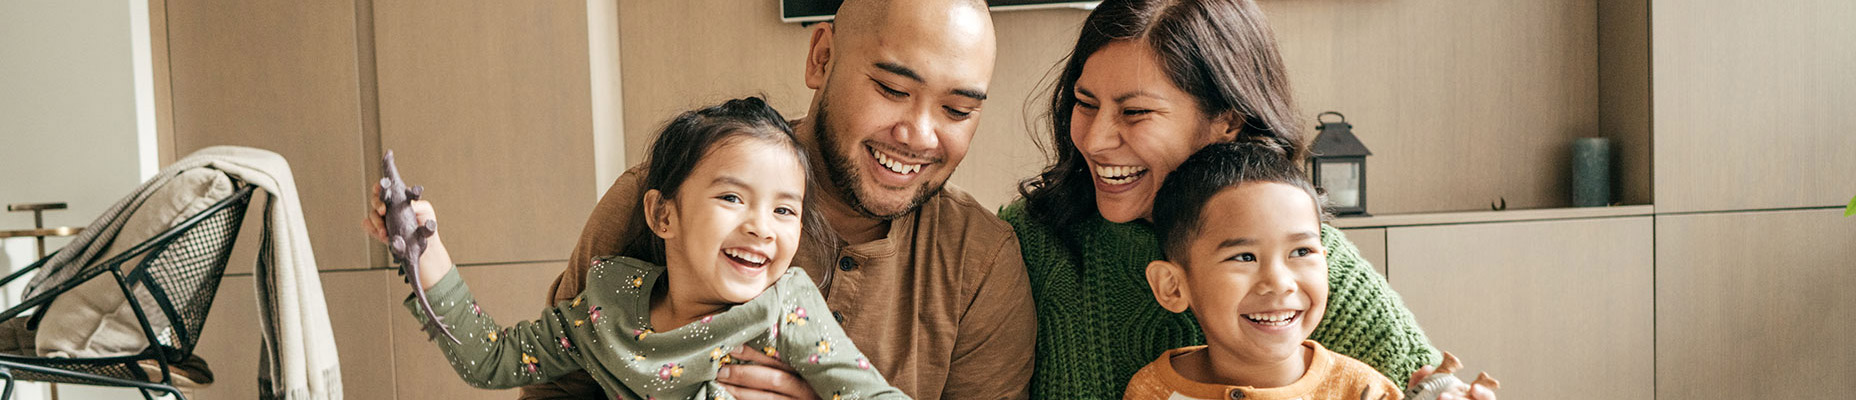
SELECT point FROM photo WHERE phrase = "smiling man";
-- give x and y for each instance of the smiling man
(925, 280)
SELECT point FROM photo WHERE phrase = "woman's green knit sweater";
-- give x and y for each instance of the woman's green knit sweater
(1098, 322)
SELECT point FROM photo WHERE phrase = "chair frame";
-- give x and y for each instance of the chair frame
(164, 355)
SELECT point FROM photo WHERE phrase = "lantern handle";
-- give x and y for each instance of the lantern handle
(1343, 118)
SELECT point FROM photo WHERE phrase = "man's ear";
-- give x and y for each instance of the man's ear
(1168, 281)
(818, 55)
(657, 214)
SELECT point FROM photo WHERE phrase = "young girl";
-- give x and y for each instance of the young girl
(726, 204)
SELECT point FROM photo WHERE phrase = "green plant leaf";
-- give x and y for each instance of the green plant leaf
(1851, 210)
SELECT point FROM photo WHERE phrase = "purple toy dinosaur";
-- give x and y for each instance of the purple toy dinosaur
(406, 238)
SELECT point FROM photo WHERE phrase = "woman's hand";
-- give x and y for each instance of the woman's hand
(1483, 388)
(435, 262)
(766, 378)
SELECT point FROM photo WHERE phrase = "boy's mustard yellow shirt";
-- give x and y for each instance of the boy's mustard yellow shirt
(607, 332)
(1330, 376)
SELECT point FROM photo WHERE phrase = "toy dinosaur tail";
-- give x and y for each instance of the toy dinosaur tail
(434, 324)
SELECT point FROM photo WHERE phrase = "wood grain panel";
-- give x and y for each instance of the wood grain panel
(1555, 310)
(509, 293)
(1752, 104)
(359, 304)
(1755, 305)
(1462, 102)
(370, 107)
(280, 76)
(1004, 150)
(1478, 217)
(229, 342)
(678, 55)
(1372, 245)
(488, 105)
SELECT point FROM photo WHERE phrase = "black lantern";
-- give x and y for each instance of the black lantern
(1338, 166)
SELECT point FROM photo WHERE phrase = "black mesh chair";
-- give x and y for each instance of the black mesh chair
(178, 271)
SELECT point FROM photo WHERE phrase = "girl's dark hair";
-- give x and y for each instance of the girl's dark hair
(1181, 200)
(1220, 51)
(695, 134)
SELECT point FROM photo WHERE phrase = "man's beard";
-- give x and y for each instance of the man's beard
(846, 177)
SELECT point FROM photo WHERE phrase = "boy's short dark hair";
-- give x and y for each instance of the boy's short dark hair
(1181, 199)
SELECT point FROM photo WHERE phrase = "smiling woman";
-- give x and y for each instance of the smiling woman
(1132, 126)
(1148, 83)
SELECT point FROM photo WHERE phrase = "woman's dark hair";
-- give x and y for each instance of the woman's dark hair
(1220, 51)
(695, 134)
(1181, 199)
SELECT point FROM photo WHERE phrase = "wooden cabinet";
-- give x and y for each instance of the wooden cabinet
(359, 305)
(1752, 104)
(280, 76)
(1756, 305)
(1555, 309)
(489, 106)
(1462, 102)
(1372, 245)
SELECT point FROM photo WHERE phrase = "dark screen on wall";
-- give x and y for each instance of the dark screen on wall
(814, 10)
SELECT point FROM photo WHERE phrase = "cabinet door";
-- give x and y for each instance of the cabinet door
(279, 76)
(1372, 245)
(1555, 310)
(489, 106)
(1756, 305)
(360, 304)
(1752, 104)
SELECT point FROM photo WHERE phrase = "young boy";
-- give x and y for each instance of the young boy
(1241, 228)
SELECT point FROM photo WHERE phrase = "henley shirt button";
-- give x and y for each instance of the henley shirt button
(846, 263)
(1237, 395)
(838, 316)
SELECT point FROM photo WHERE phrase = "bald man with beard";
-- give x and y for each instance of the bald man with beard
(925, 280)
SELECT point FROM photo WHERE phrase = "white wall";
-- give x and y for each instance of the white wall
(67, 107)
(69, 115)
